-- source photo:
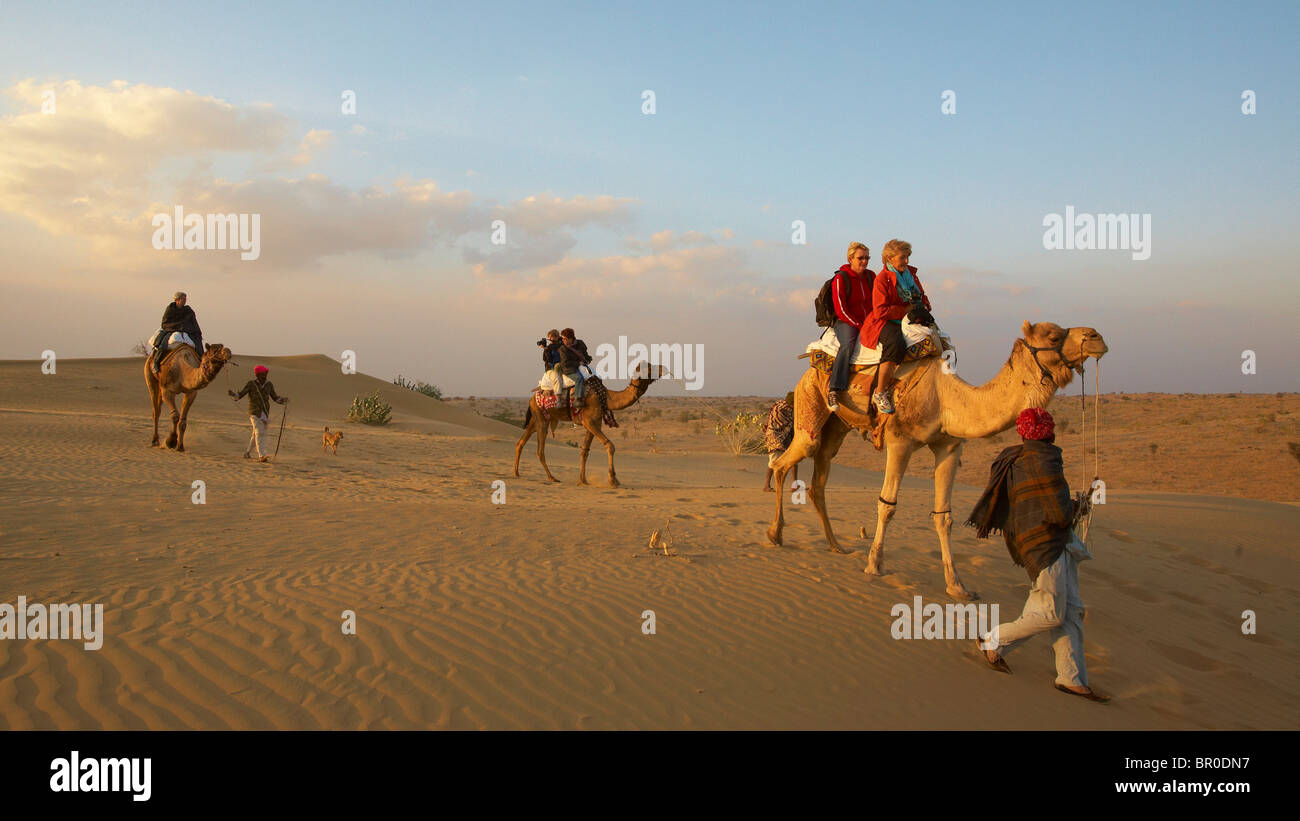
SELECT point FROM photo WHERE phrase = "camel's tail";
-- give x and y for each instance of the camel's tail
(528, 414)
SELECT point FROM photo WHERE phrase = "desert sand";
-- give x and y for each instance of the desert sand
(528, 614)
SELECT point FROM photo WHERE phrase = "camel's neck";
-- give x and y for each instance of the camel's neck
(628, 396)
(195, 378)
(973, 412)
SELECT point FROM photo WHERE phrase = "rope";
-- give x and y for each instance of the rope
(1096, 424)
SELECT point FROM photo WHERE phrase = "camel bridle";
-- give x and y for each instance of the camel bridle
(1059, 351)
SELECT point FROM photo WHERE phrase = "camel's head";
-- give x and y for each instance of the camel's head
(646, 373)
(216, 354)
(1061, 350)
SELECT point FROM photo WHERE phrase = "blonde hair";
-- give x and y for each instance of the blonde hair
(853, 246)
(895, 248)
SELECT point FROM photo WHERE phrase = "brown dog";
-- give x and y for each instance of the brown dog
(330, 440)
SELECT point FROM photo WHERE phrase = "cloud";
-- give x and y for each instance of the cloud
(665, 240)
(313, 142)
(111, 157)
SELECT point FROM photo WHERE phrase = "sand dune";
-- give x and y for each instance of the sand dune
(528, 614)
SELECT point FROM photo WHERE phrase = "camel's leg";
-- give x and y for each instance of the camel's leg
(595, 430)
(897, 455)
(185, 414)
(946, 456)
(801, 446)
(155, 402)
(519, 446)
(542, 430)
(586, 448)
(170, 399)
(832, 437)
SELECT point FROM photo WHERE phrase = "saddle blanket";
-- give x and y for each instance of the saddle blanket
(921, 340)
(176, 338)
(547, 382)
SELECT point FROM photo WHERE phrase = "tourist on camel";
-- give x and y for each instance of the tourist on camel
(896, 293)
(177, 316)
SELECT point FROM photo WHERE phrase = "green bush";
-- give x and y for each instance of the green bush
(743, 434)
(418, 386)
(370, 410)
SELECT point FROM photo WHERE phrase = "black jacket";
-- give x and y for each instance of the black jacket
(571, 356)
(182, 318)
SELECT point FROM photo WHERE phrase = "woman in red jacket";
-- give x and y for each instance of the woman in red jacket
(896, 293)
(852, 298)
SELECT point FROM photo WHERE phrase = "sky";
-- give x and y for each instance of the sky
(955, 127)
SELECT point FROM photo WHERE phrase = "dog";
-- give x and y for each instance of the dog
(330, 440)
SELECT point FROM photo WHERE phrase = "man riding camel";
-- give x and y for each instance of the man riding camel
(177, 316)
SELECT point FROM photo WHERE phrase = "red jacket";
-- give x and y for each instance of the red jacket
(852, 295)
(886, 305)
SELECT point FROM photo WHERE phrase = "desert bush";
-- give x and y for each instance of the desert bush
(684, 416)
(419, 387)
(370, 410)
(742, 434)
(653, 413)
(141, 348)
(1154, 447)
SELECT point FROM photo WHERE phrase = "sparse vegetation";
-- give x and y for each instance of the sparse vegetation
(141, 348)
(419, 387)
(370, 410)
(743, 434)
(1154, 448)
(507, 417)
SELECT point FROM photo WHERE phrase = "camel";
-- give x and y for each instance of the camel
(181, 372)
(934, 409)
(592, 420)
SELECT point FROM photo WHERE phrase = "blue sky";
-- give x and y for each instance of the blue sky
(826, 113)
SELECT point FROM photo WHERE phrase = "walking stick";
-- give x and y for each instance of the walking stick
(281, 433)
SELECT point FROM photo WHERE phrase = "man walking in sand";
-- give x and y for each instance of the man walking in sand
(260, 393)
(778, 432)
(1028, 500)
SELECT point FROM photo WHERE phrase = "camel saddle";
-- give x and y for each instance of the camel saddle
(875, 430)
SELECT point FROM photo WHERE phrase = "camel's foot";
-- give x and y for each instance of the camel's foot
(180, 448)
(960, 593)
(552, 479)
(837, 549)
(768, 489)
(582, 480)
(154, 443)
(516, 473)
(171, 442)
(774, 535)
(874, 567)
(614, 482)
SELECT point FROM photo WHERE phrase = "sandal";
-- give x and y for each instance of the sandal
(1000, 665)
(1091, 695)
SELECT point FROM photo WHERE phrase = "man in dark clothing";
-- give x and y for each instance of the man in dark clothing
(177, 316)
(573, 355)
(260, 394)
(550, 350)
(1028, 500)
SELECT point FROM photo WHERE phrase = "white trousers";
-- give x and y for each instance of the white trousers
(258, 441)
(1053, 607)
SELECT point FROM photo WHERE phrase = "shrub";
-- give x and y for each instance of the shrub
(419, 387)
(370, 410)
(743, 434)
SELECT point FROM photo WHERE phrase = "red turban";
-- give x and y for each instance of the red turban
(263, 369)
(1035, 423)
